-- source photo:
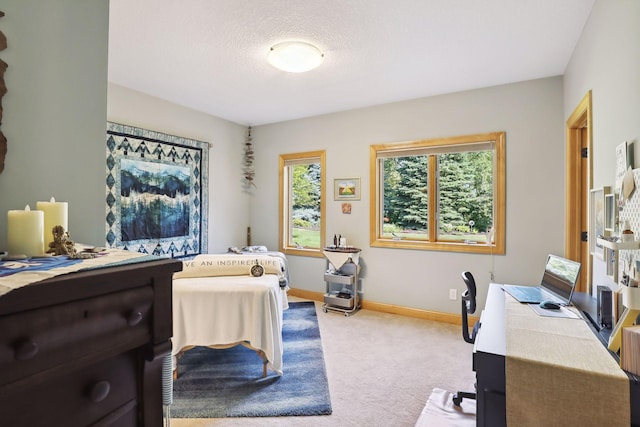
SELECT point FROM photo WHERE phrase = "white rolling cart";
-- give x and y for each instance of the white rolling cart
(341, 279)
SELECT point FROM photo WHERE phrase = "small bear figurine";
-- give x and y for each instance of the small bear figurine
(62, 244)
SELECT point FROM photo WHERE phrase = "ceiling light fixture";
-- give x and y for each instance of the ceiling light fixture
(295, 57)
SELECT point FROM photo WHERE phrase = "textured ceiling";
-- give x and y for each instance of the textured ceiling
(210, 55)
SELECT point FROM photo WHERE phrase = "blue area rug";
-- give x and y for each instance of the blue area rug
(228, 383)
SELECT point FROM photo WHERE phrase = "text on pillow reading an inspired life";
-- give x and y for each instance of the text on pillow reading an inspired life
(237, 266)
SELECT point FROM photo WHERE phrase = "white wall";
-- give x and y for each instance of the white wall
(529, 112)
(228, 201)
(55, 110)
(607, 62)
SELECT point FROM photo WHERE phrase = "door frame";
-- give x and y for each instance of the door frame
(578, 183)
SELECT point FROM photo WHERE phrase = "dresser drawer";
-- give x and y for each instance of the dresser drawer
(79, 332)
(105, 391)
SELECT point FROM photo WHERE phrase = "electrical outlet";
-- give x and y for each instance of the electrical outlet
(453, 294)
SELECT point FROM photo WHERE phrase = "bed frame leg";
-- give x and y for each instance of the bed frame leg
(175, 371)
(264, 362)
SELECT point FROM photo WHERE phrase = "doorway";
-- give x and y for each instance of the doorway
(579, 181)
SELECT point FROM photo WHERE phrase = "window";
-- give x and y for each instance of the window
(443, 194)
(302, 201)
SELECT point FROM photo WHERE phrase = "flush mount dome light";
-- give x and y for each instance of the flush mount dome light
(295, 57)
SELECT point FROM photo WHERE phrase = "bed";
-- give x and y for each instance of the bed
(218, 303)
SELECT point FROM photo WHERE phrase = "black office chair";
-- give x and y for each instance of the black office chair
(468, 299)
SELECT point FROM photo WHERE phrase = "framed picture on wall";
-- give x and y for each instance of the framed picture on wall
(346, 189)
(597, 219)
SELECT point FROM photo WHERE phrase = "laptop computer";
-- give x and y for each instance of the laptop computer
(557, 285)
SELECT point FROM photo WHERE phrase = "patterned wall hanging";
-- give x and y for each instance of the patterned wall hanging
(157, 192)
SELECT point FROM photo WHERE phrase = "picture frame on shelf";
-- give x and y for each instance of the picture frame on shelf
(611, 262)
(597, 219)
(346, 189)
(610, 213)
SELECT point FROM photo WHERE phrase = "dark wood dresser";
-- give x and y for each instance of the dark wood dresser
(86, 348)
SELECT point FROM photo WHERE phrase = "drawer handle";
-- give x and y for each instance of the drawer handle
(134, 318)
(99, 391)
(25, 349)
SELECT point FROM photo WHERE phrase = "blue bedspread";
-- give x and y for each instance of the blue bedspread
(8, 268)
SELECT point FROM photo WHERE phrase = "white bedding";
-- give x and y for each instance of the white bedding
(230, 309)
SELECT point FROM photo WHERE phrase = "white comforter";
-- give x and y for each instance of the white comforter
(230, 309)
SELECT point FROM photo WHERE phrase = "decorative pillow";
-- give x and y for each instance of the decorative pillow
(211, 265)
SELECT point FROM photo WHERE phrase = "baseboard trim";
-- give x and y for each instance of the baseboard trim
(437, 316)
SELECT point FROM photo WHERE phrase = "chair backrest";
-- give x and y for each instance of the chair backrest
(468, 299)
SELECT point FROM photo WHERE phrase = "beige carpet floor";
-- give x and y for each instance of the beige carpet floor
(381, 368)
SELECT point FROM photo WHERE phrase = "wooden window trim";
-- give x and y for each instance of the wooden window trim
(499, 226)
(283, 225)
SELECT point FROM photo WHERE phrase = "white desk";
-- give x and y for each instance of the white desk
(490, 352)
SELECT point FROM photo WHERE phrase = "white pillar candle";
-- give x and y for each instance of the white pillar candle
(25, 232)
(55, 213)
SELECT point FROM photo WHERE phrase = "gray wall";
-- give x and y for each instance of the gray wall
(529, 112)
(228, 199)
(55, 110)
(607, 62)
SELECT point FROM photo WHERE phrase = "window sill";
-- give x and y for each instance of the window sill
(477, 248)
(302, 252)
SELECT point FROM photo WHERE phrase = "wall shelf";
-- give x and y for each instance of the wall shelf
(612, 255)
(617, 246)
